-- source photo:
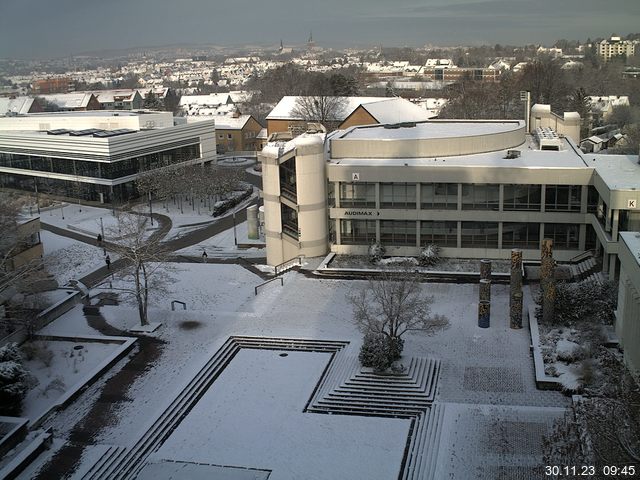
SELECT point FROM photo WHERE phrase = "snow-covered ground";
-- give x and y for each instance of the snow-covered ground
(482, 367)
(69, 259)
(69, 363)
(83, 219)
(223, 244)
(253, 417)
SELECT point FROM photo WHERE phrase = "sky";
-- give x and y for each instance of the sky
(60, 28)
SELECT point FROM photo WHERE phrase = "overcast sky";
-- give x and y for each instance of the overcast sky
(45, 28)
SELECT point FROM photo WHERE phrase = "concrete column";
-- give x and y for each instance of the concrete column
(605, 261)
(485, 290)
(459, 197)
(252, 222)
(377, 195)
(584, 194)
(612, 266)
(501, 198)
(543, 197)
(615, 222)
(459, 235)
(547, 280)
(499, 235)
(336, 193)
(515, 289)
(484, 314)
(582, 237)
(485, 269)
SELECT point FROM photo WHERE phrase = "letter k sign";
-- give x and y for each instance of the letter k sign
(632, 203)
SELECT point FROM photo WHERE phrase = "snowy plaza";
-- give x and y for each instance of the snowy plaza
(249, 418)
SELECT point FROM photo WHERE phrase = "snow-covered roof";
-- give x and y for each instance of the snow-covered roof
(284, 109)
(17, 105)
(110, 96)
(225, 122)
(211, 100)
(619, 172)
(395, 110)
(69, 100)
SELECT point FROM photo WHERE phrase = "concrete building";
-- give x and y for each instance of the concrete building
(628, 313)
(53, 85)
(477, 189)
(615, 47)
(96, 155)
(127, 99)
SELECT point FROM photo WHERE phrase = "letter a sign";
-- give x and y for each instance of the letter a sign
(632, 203)
(355, 177)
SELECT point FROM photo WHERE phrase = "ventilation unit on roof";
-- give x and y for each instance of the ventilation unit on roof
(511, 154)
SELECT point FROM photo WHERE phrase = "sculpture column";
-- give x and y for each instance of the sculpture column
(515, 289)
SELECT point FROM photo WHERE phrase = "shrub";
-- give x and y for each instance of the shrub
(14, 380)
(38, 351)
(376, 252)
(577, 302)
(374, 352)
(429, 255)
(396, 345)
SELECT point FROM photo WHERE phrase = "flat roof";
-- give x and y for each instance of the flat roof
(632, 239)
(530, 157)
(429, 129)
(619, 172)
(91, 113)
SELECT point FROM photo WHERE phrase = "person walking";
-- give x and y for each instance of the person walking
(107, 260)
(204, 256)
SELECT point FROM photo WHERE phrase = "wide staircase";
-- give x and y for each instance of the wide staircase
(349, 389)
(588, 268)
(126, 462)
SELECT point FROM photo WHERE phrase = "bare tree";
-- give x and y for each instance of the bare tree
(144, 260)
(328, 110)
(393, 305)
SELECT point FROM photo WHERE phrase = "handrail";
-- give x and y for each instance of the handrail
(255, 290)
(581, 256)
(278, 269)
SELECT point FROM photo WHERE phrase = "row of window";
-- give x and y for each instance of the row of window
(109, 170)
(444, 196)
(445, 234)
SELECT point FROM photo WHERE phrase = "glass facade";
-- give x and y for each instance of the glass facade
(522, 197)
(521, 235)
(480, 196)
(479, 235)
(439, 196)
(288, 187)
(562, 198)
(358, 232)
(398, 232)
(564, 236)
(358, 195)
(289, 221)
(443, 234)
(398, 195)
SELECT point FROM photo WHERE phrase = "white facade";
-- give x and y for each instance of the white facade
(615, 47)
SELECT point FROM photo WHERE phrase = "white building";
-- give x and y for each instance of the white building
(615, 47)
(477, 189)
(96, 155)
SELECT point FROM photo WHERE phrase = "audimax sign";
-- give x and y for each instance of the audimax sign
(361, 213)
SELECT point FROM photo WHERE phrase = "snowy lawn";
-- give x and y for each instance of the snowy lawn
(69, 259)
(83, 219)
(224, 244)
(252, 416)
(58, 365)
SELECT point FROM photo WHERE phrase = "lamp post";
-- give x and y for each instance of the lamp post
(150, 209)
(235, 237)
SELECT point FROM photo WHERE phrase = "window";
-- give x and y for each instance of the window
(479, 196)
(522, 197)
(439, 196)
(358, 195)
(521, 235)
(288, 184)
(357, 232)
(564, 236)
(479, 234)
(562, 198)
(229, 136)
(289, 221)
(443, 234)
(398, 232)
(398, 195)
(592, 199)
